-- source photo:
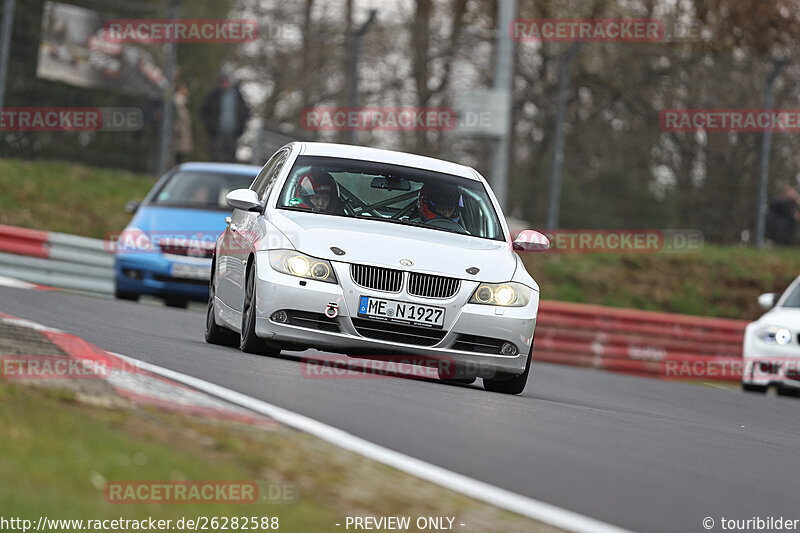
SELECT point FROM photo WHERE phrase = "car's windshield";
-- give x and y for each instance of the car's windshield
(391, 193)
(793, 300)
(203, 190)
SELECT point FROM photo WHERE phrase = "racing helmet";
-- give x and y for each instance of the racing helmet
(439, 200)
(315, 182)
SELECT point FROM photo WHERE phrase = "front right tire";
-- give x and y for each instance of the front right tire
(750, 387)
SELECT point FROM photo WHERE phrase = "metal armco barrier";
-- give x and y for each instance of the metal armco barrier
(56, 260)
(646, 343)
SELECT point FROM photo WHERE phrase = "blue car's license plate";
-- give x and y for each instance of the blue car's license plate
(180, 270)
(403, 312)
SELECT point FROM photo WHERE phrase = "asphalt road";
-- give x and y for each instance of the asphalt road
(638, 453)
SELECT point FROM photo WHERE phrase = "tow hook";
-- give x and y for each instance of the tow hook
(332, 310)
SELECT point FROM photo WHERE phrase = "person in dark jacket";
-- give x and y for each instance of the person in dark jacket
(224, 113)
(782, 217)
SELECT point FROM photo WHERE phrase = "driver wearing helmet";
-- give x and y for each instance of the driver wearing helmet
(319, 192)
(439, 201)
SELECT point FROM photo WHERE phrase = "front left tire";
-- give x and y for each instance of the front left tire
(510, 384)
(250, 342)
(216, 334)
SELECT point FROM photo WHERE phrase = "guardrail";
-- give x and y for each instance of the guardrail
(56, 259)
(646, 343)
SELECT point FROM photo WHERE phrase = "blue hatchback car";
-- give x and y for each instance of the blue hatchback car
(166, 249)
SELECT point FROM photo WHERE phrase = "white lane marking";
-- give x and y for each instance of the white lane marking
(462, 484)
(718, 387)
(21, 322)
(17, 283)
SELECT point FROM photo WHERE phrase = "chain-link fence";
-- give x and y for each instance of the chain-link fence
(59, 59)
(624, 168)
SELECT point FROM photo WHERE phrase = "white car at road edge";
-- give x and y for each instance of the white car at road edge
(771, 348)
(375, 253)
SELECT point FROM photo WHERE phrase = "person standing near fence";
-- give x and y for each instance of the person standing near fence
(224, 114)
(784, 212)
(182, 131)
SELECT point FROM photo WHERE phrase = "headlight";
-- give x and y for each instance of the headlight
(775, 335)
(132, 240)
(503, 294)
(301, 265)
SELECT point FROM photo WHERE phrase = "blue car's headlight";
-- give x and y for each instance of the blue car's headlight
(131, 240)
(301, 265)
(509, 294)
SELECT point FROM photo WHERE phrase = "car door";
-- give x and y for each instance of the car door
(231, 261)
(246, 231)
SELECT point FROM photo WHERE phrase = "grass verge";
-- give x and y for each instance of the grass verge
(67, 198)
(59, 453)
(717, 281)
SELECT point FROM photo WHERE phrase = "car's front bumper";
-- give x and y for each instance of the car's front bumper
(277, 291)
(152, 274)
(767, 364)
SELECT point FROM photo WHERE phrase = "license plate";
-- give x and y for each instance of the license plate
(402, 312)
(191, 271)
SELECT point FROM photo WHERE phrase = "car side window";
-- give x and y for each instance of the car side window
(262, 181)
(273, 174)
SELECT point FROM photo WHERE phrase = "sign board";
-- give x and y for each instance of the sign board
(74, 49)
(482, 112)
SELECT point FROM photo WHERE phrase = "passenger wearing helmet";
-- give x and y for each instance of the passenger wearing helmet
(318, 191)
(438, 201)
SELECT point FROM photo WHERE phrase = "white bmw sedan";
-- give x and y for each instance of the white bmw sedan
(375, 254)
(772, 344)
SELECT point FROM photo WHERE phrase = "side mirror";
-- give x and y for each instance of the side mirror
(245, 199)
(530, 240)
(768, 300)
(132, 206)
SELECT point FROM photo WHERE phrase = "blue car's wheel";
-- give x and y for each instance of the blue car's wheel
(122, 295)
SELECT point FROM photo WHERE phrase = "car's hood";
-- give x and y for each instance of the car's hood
(788, 317)
(180, 221)
(386, 244)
